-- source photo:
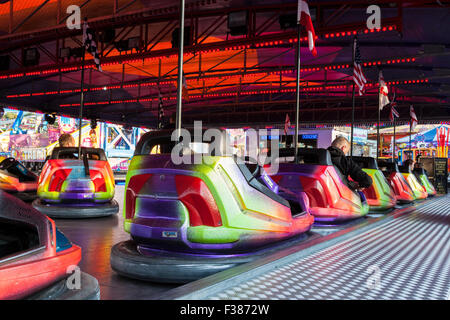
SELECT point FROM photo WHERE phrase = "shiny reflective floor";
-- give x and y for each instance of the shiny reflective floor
(96, 237)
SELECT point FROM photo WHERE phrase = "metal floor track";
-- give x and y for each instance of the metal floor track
(400, 257)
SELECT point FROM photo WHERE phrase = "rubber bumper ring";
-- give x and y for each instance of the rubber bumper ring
(74, 212)
(89, 290)
(177, 268)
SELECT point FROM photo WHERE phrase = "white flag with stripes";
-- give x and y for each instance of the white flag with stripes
(358, 75)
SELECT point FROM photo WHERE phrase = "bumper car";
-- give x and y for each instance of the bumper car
(330, 199)
(69, 187)
(422, 177)
(380, 196)
(419, 191)
(17, 180)
(35, 257)
(403, 192)
(188, 221)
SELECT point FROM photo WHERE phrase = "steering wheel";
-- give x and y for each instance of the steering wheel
(6, 163)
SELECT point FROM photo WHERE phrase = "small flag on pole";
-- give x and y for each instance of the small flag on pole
(160, 110)
(304, 18)
(287, 124)
(185, 92)
(394, 112)
(383, 96)
(413, 116)
(358, 75)
(90, 45)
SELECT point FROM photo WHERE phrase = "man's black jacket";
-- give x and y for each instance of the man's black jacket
(349, 168)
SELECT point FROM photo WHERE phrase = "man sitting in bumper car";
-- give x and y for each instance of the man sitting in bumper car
(338, 150)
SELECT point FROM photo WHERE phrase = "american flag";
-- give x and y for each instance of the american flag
(358, 75)
(90, 45)
(413, 116)
(160, 110)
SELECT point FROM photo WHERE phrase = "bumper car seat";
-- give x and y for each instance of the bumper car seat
(403, 192)
(422, 177)
(330, 199)
(35, 256)
(418, 189)
(380, 195)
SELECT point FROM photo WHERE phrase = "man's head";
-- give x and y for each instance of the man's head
(341, 143)
(409, 163)
(66, 140)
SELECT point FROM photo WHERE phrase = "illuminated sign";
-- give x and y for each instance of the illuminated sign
(309, 136)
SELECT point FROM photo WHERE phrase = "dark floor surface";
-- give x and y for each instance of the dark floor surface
(97, 236)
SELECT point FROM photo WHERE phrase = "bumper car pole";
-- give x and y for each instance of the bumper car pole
(180, 72)
(297, 103)
(80, 120)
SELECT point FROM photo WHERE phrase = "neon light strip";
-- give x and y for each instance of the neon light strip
(90, 64)
(246, 76)
(318, 89)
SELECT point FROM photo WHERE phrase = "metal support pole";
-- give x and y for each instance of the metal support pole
(80, 120)
(393, 144)
(297, 108)
(353, 100)
(378, 127)
(410, 132)
(180, 72)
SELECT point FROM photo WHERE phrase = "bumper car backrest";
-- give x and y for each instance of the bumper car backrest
(151, 139)
(72, 153)
(308, 155)
(404, 169)
(366, 162)
(371, 164)
(420, 171)
(22, 229)
(388, 167)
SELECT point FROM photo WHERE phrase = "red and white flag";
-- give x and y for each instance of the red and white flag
(287, 124)
(413, 116)
(383, 96)
(304, 18)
